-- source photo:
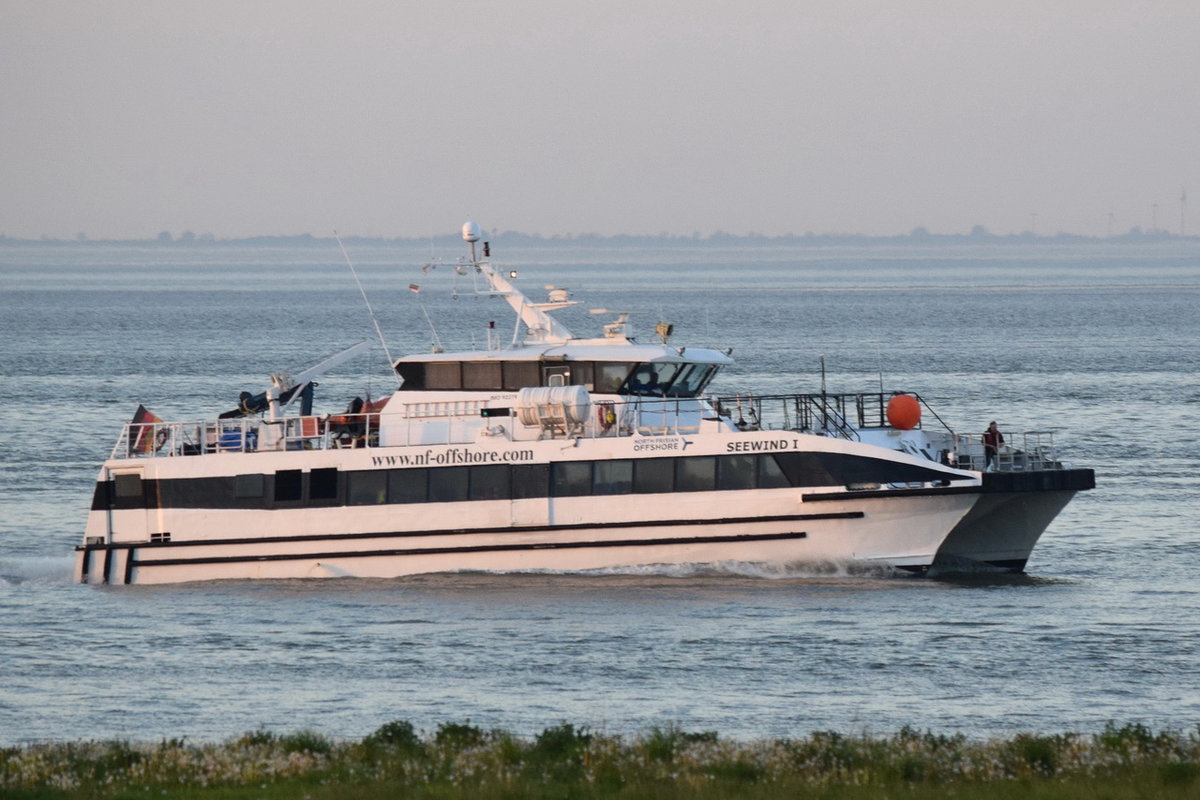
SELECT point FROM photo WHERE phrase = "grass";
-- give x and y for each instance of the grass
(459, 760)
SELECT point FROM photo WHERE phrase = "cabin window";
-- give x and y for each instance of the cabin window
(770, 476)
(520, 374)
(248, 485)
(530, 480)
(490, 482)
(128, 485)
(613, 477)
(696, 474)
(583, 373)
(482, 375)
(407, 485)
(572, 478)
(609, 376)
(413, 375)
(654, 475)
(650, 380)
(323, 484)
(448, 484)
(690, 380)
(443, 375)
(289, 485)
(366, 488)
(736, 472)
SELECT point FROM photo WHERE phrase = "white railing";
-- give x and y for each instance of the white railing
(451, 422)
(246, 435)
(1035, 453)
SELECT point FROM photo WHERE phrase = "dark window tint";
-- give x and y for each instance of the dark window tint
(443, 375)
(366, 488)
(572, 478)
(490, 483)
(413, 375)
(583, 373)
(128, 485)
(653, 475)
(770, 476)
(736, 472)
(248, 486)
(519, 374)
(288, 484)
(613, 477)
(323, 484)
(407, 485)
(481, 375)
(448, 484)
(696, 474)
(530, 480)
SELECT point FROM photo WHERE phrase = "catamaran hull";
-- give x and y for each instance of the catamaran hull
(904, 533)
(1000, 532)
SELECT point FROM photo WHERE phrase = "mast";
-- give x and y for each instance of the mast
(543, 328)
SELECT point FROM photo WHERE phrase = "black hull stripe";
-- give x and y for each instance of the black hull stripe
(1054, 480)
(478, 531)
(487, 548)
(873, 494)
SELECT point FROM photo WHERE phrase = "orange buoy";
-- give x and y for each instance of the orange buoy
(904, 412)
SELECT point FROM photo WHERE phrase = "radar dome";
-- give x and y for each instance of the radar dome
(471, 232)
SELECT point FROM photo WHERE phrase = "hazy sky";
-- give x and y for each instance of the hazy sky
(123, 118)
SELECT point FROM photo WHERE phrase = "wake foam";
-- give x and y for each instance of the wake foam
(36, 569)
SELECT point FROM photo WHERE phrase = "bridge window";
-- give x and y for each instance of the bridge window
(482, 375)
(609, 377)
(520, 374)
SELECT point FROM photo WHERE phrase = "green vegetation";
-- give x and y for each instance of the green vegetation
(464, 761)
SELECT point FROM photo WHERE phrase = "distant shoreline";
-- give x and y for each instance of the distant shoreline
(920, 236)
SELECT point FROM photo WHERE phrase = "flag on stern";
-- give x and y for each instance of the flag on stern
(141, 431)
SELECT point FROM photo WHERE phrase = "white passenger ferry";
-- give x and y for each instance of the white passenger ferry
(560, 453)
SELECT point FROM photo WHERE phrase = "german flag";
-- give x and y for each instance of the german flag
(141, 430)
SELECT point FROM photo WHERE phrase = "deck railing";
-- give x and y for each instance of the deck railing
(829, 414)
(847, 416)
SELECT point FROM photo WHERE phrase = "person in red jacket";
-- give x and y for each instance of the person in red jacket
(992, 439)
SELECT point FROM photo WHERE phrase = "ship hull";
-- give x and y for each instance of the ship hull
(907, 536)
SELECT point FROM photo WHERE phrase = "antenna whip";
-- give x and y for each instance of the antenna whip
(370, 311)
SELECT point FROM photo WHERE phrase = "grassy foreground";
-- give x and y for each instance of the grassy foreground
(463, 761)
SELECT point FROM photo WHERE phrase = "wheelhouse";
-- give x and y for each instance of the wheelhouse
(634, 378)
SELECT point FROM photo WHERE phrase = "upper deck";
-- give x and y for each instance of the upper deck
(570, 412)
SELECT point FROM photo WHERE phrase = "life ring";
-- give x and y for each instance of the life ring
(607, 415)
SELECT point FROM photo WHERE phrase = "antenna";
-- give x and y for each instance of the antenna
(1183, 211)
(370, 311)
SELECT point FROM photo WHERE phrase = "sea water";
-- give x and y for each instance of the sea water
(1097, 342)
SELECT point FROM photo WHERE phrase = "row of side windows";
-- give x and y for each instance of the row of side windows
(603, 377)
